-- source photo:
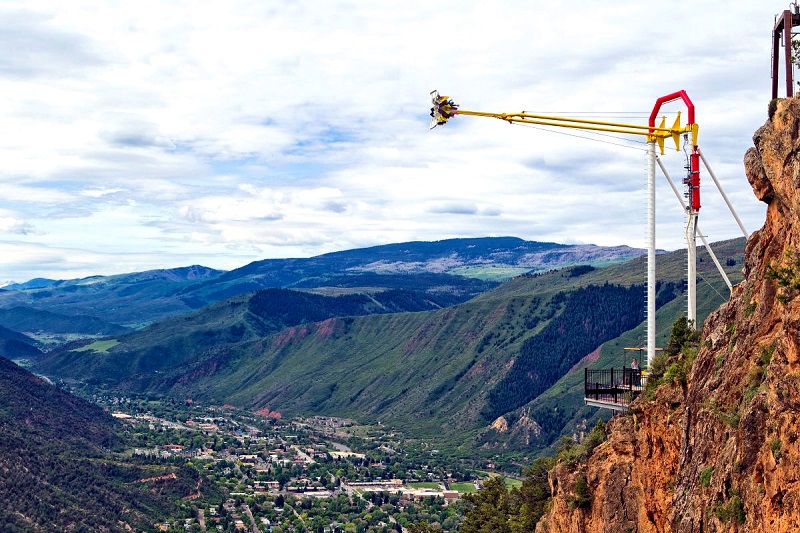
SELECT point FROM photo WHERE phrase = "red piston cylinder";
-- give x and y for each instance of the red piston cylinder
(695, 165)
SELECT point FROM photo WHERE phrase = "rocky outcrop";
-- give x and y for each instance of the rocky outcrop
(721, 452)
(500, 425)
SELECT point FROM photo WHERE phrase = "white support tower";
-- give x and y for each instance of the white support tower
(691, 270)
(651, 252)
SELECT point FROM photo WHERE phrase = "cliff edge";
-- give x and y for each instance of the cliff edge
(718, 450)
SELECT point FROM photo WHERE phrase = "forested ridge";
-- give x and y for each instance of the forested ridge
(590, 316)
(17, 345)
(20, 318)
(291, 308)
(57, 468)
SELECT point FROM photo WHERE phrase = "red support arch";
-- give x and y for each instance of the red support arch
(669, 98)
(693, 180)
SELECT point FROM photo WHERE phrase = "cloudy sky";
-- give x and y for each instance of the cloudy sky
(157, 134)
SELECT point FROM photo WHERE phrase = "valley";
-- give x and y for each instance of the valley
(385, 267)
(337, 406)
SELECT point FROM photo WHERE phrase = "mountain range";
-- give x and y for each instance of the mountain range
(451, 271)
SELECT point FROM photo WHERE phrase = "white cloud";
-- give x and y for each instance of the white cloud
(17, 226)
(151, 134)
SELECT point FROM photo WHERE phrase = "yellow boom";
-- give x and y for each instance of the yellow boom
(443, 109)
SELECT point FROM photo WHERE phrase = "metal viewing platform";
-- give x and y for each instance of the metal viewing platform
(613, 388)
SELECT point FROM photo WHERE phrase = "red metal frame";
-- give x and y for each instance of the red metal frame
(693, 180)
(669, 98)
(783, 29)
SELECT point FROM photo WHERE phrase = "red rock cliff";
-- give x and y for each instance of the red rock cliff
(722, 452)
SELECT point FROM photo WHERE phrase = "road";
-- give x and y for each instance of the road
(303, 455)
(201, 519)
(341, 447)
(249, 513)
(394, 521)
(298, 516)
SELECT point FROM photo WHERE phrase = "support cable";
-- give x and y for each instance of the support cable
(541, 128)
(724, 196)
(699, 233)
(712, 288)
(599, 114)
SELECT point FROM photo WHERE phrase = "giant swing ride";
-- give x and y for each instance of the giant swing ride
(444, 109)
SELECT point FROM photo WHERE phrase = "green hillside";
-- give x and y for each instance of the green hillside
(191, 338)
(433, 372)
(561, 410)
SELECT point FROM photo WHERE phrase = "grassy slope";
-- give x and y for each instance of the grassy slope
(369, 368)
(162, 345)
(191, 338)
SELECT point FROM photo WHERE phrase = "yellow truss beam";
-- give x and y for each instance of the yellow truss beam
(657, 134)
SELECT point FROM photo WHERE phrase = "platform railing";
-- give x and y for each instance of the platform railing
(613, 385)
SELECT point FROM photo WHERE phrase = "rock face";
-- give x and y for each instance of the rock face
(720, 453)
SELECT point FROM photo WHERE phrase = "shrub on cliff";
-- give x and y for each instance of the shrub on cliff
(673, 364)
(732, 510)
(772, 107)
(583, 497)
(572, 454)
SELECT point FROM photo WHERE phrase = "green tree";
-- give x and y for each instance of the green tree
(683, 333)
(529, 501)
(676, 360)
(423, 527)
(491, 509)
(583, 496)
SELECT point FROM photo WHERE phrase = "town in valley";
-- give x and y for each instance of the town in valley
(320, 474)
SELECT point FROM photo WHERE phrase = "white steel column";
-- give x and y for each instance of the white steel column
(691, 270)
(651, 252)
